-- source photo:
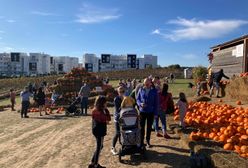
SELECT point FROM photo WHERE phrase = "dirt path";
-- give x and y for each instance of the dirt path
(60, 142)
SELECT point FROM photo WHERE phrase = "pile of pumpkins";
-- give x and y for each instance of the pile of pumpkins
(48, 110)
(220, 122)
(245, 74)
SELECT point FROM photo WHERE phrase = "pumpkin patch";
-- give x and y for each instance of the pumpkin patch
(220, 122)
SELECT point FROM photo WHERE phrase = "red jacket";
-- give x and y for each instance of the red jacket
(99, 116)
(164, 101)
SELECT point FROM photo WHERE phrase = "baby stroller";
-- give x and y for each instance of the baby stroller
(73, 109)
(129, 133)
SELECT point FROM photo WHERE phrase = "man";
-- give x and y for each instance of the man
(25, 95)
(172, 77)
(216, 82)
(147, 101)
(84, 93)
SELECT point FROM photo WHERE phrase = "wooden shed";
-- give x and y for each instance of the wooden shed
(231, 56)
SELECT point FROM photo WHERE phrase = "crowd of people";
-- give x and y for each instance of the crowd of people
(151, 99)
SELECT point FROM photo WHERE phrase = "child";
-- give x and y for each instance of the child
(182, 105)
(117, 102)
(12, 99)
(100, 118)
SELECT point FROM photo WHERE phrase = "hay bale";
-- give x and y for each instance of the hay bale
(201, 98)
(238, 88)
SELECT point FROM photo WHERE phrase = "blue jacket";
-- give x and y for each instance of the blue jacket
(151, 101)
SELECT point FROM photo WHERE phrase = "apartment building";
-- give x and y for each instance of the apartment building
(110, 62)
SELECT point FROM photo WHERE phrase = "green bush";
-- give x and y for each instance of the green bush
(200, 73)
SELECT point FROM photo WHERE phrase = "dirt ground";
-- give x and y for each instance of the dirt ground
(57, 141)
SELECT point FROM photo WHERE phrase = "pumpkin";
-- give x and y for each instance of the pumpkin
(244, 149)
(238, 102)
(228, 146)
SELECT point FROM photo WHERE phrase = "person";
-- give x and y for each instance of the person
(100, 118)
(128, 87)
(183, 106)
(12, 99)
(30, 87)
(216, 82)
(84, 93)
(147, 104)
(165, 98)
(172, 77)
(40, 99)
(117, 102)
(25, 95)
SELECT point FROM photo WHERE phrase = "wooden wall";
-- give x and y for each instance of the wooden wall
(224, 59)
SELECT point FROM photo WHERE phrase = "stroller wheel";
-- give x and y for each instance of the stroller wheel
(77, 113)
(120, 154)
(67, 113)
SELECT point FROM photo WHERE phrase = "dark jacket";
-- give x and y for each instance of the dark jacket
(99, 122)
(117, 103)
(150, 100)
(218, 75)
(40, 98)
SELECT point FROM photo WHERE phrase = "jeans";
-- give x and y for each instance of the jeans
(84, 105)
(117, 134)
(24, 110)
(146, 117)
(217, 86)
(162, 117)
(99, 146)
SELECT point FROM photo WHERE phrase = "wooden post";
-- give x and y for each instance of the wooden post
(245, 55)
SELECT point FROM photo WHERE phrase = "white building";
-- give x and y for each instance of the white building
(39, 63)
(19, 63)
(109, 62)
(64, 64)
(5, 64)
(150, 60)
(116, 62)
(91, 62)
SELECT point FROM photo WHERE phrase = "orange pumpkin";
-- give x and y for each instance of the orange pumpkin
(238, 102)
(228, 146)
(244, 149)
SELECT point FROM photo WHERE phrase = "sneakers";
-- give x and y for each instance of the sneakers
(113, 151)
(148, 145)
(166, 136)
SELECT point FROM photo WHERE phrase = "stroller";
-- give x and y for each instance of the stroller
(129, 133)
(73, 109)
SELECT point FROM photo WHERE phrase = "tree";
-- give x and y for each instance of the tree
(200, 73)
(174, 66)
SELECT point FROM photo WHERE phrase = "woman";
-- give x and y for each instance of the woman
(117, 102)
(40, 99)
(100, 118)
(165, 99)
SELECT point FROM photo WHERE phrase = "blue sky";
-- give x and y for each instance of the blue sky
(177, 31)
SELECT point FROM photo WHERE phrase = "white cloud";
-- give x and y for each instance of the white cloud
(40, 13)
(91, 14)
(156, 31)
(201, 29)
(7, 49)
(10, 21)
(189, 56)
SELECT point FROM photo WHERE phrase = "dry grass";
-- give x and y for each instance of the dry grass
(57, 141)
(238, 89)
